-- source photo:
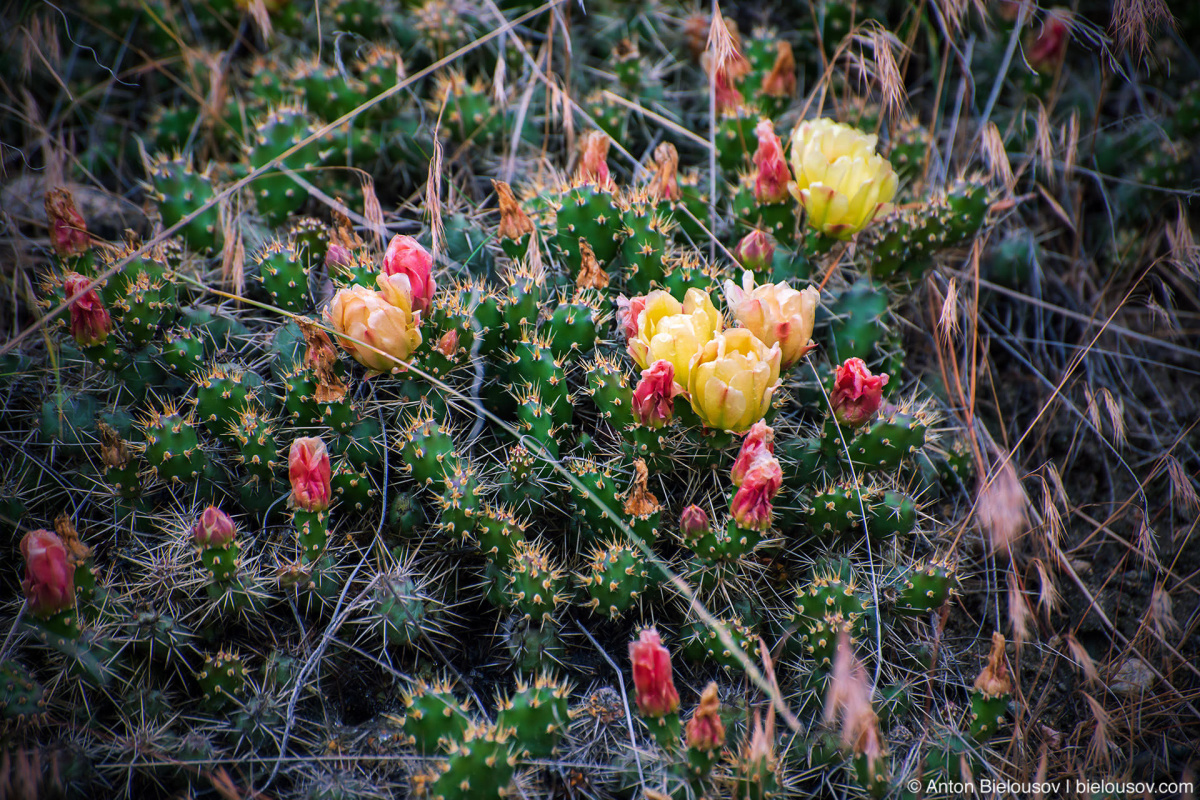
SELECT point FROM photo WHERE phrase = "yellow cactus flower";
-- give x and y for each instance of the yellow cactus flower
(383, 319)
(668, 330)
(776, 314)
(840, 181)
(732, 380)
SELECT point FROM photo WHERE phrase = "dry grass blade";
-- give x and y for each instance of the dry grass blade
(433, 199)
(996, 156)
(948, 320)
(1162, 611)
(262, 18)
(1115, 410)
(721, 47)
(888, 81)
(1183, 489)
(1134, 21)
(1101, 743)
(1083, 660)
(1049, 599)
(1019, 612)
(1185, 254)
(372, 210)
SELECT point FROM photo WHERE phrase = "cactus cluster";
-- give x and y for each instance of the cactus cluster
(372, 452)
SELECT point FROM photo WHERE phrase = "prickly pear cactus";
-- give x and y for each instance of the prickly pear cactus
(459, 399)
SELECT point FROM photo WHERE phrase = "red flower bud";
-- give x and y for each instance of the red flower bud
(309, 472)
(628, 311)
(68, 231)
(705, 731)
(751, 506)
(49, 575)
(90, 322)
(693, 522)
(652, 679)
(755, 251)
(729, 73)
(760, 439)
(857, 394)
(654, 397)
(1045, 51)
(405, 256)
(771, 179)
(214, 529)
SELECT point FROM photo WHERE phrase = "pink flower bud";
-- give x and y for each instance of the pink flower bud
(405, 256)
(309, 472)
(49, 575)
(760, 440)
(654, 397)
(213, 529)
(447, 345)
(90, 322)
(693, 522)
(338, 255)
(705, 731)
(593, 164)
(1045, 51)
(68, 231)
(771, 179)
(628, 311)
(728, 74)
(751, 506)
(755, 251)
(652, 679)
(857, 394)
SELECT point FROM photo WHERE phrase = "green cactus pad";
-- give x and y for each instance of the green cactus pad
(704, 643)
(222, 680)
(253, 434)
(182, 350)
(180, 191)
(172, 449)
(428, 452)
(21, 696)
(479, 767)
(284, 277)
(275, 133)
(615, 578)
(223, 395)
(647, 235)
(610, 391)
(590, 213)
(434, 718)
(459, 504)
(401, 609)
(537, 713)
(498, 532)
(572, 330)
(925, 587)
(351, 487)
(534, 585)
(888, 441)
